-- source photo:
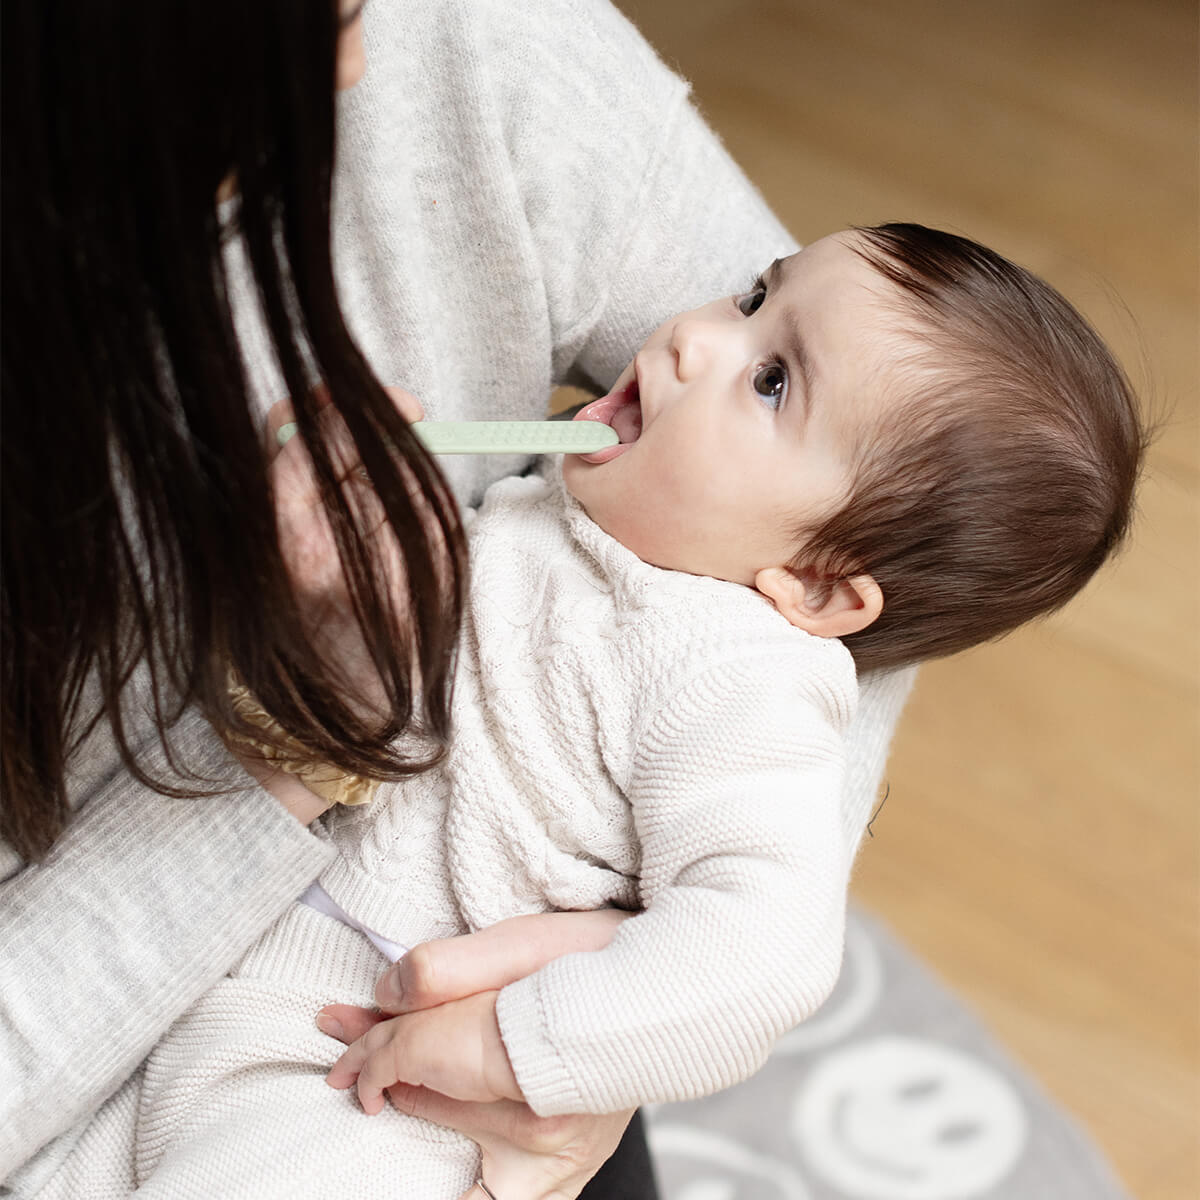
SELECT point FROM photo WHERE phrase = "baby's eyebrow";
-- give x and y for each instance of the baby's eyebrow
(795, 351)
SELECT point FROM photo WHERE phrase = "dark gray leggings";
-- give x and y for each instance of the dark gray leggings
(629, 1174)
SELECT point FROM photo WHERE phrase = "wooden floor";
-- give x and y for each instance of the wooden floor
(1040, 844)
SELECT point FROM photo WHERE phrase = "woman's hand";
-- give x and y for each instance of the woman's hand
(525, 1157)
(309, 550)
(310, 555)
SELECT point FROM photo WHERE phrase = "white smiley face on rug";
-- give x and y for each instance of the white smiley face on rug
(699, 1164)
(898, 1118)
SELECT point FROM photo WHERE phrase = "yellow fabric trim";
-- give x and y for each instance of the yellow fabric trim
(328, 782)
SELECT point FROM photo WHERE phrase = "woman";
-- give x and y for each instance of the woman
(522, 192)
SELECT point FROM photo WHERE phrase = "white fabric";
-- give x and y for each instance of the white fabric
(623, 735)
(523, 193)
(634, 737)
(316, 897)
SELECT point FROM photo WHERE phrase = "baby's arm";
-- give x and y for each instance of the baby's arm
(745, 864)
(439, 974)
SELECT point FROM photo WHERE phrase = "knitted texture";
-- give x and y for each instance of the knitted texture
(522, 194)
(233, 1103)
(623, 735)
(655, 740)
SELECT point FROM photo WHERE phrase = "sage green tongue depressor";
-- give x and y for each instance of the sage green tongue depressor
(502, 437)
(515, 437)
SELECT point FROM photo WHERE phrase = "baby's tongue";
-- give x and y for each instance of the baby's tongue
(619, 409)
(627, 421)
(599, 410)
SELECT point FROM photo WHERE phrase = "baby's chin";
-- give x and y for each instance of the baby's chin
(575, 473)
(594, 488)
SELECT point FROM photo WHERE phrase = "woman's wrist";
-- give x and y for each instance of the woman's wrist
(303, 803)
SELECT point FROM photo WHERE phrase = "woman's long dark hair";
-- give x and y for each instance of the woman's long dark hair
(138, 523)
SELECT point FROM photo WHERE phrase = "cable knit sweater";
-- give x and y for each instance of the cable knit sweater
(522, 194)
(624, 735)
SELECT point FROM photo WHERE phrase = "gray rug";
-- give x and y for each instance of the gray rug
(893, 1091)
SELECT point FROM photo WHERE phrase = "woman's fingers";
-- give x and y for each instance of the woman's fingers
(524, 1155)
(493, 1122)
(436, 972)
(283, 412)
(409, 407)
(569, 1155)
(278, 416)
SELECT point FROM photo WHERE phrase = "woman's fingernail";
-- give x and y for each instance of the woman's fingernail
(331, 1027)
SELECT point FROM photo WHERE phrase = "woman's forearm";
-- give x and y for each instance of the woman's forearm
(140, 906)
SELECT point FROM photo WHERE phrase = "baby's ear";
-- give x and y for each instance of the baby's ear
(819, 604)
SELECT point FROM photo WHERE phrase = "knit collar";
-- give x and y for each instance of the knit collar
(616, 560)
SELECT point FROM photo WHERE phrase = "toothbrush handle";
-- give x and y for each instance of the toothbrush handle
(502, 437)
(515, 437)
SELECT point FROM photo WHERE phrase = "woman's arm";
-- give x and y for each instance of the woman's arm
(141, 904)
(633, 208)
(146, 900)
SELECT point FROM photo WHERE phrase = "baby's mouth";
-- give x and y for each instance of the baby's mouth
(622, 410)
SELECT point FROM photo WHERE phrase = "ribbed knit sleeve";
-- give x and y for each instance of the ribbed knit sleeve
(142, 904)
(699, 230)
(633, 206)
(745, 862)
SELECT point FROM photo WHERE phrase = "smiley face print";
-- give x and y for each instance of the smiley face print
(897, 1118)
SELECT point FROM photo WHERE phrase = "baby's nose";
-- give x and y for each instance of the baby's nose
(692, 345)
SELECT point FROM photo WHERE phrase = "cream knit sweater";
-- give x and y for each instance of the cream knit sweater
(635, 737)
(623, 735)
(523, 193)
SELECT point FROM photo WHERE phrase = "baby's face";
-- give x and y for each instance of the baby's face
(738, 420)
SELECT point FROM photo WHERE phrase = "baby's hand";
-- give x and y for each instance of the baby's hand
(454, 1049)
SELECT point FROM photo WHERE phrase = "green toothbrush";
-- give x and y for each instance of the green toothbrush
(502, 437)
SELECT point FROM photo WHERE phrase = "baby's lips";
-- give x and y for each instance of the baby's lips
(603, 456)
(603, 410)
(599, 410)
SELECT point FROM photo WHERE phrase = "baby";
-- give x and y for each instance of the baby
(892, 446)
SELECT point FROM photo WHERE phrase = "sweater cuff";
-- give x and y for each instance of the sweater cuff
(541, 1074)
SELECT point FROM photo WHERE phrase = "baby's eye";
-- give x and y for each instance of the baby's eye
(750, 302)
(770, 382)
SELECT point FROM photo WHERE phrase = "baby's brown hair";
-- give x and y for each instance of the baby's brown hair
(1004, 478)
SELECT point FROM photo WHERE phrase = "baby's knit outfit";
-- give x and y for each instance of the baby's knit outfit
(623, 735)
